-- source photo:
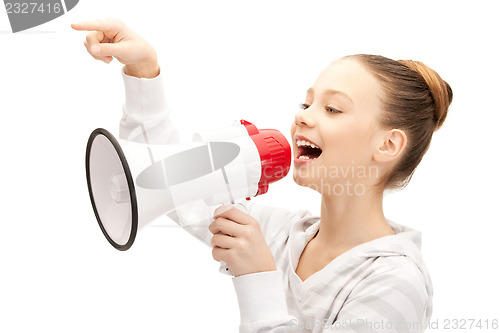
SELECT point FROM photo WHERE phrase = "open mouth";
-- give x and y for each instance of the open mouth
(307, 150)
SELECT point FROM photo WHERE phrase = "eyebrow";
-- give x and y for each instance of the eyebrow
(332, 92)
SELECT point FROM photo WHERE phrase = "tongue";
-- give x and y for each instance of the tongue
(310, 152)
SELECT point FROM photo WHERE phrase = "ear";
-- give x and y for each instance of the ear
(391, 146)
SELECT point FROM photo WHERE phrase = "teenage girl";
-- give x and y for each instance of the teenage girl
(364, 126)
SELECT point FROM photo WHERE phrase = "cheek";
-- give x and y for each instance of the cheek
(293, 128)
(350, 142)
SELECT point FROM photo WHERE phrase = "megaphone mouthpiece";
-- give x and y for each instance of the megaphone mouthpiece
(275, 154)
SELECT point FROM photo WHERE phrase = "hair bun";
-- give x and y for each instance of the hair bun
(440, 90)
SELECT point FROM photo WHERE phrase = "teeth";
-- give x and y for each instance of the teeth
(303, 157)
(301, 143)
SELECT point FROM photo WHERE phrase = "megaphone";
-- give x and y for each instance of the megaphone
(130, 184)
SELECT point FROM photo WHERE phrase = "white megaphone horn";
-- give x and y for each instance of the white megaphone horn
(130, 184)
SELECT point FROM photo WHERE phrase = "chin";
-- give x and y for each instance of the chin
(298, 180)
(305, 182)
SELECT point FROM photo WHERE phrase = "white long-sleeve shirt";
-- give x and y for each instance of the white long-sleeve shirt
(379, 286)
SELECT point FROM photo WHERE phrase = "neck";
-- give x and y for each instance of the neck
(347, 221)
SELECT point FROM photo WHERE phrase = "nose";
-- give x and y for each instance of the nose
(304, 118)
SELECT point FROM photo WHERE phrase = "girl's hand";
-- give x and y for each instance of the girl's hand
(112, 38)
(239, 242)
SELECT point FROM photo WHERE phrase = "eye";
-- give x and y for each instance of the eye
(303, 106)
(332, 110)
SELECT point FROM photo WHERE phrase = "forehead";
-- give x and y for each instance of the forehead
(352, 78)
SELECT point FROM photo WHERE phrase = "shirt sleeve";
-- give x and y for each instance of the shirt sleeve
(261, 299)
(392, 301)
(146, 114)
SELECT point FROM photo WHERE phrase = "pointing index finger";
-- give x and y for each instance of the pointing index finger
(96, 25)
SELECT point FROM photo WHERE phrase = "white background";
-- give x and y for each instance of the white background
(227, 60)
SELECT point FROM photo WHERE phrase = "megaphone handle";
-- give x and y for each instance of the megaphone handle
(224, 269)
(223, 266)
